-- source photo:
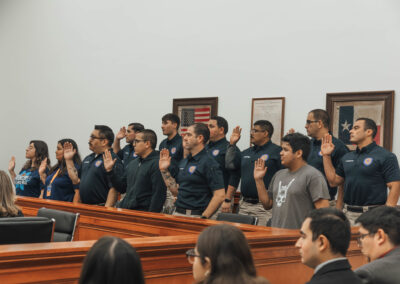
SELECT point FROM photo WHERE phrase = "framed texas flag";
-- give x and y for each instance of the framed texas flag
(345, 108)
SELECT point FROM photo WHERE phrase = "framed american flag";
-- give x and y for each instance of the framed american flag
(193, 110)
(345, 108)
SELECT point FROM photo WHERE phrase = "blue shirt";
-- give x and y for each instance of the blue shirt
(28, 183)
(366, 173)
(61, 188)
(127, 154)
(175, 149)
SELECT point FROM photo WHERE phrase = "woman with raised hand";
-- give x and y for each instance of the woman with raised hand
(60, 183)
(28, 182)
(7, 198)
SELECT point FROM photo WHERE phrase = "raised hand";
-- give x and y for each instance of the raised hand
(121, 134)
(327, 146)
(291, 131)
(165, 160)
(109, 162)
(43, 166)
(69, 151)
(11, 164)
(235, 136)
(259, 169)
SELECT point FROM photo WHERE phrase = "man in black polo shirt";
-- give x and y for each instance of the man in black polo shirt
(145, 188)
(366, 172)
(173, 143)
(199, 185)
(317, 126)
(127, 153)
(263, 148)
(217, 147)
(95, 186)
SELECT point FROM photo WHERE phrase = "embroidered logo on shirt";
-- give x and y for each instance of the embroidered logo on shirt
(192, 169)
(264, 157)
(134, 155)
(368, 161)
(320, 153)
(215, 152)
(98, 163)
(282, 193)
(173, 150)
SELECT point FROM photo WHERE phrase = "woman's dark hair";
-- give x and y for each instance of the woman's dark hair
(41, 152)
(229, 253)
(76, 159)
(111, 260)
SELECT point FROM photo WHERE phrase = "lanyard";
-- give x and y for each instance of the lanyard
(54, 177)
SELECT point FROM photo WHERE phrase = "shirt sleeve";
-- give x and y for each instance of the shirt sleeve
(120, 154)
(339, 169)
(232, 158)
(339, 152)
(158, 189)
(234, 178)
(215, 178)
(390, 169)
(270, 190)
(318, 188)
(117, 178)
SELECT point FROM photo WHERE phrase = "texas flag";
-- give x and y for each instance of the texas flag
(349, 114)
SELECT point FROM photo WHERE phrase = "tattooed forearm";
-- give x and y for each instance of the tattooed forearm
(170, 182)
(73, 173)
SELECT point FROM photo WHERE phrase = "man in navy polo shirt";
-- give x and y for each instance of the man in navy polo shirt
(173, 143)
(199, 185)
(217, 147)
(366, 172)
(127, 153)
(95, 185)
(317, 126)
(260, 137)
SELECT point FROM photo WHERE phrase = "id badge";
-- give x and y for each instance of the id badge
(48, 191)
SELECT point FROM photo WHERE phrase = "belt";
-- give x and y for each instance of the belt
(188, 211)
(359, 209)
(250, 200)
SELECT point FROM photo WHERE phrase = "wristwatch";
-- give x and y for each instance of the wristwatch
(227, 200)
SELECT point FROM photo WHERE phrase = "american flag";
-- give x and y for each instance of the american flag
(193, 115)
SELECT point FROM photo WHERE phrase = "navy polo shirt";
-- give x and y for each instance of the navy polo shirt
(127, 154)
(175, 149)
(199, 176)
(95, 183)
(315, 158)
(218, 151)
(270, 153)
(61, 188)
(28, 183)
(366, 173)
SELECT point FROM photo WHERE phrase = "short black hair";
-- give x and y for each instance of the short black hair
(151, 136)
(385, 218)
(298, 141)
(333, 224)
(221, 122)
(320, 114)
(173, 118)
(369, 124)
(202, 129)
(266, 126)
(106, 133)
(137, 127)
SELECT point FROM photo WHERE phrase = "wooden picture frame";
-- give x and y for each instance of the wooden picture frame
(191, 110)
(377, 105)
(273, 110)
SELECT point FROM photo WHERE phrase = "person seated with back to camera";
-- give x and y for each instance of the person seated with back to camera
(7, 198)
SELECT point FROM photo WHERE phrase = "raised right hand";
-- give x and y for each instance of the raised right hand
(327, 146)
(69, 151)
(235, 136)
(121, 134)
(165, 160)
(11, 164)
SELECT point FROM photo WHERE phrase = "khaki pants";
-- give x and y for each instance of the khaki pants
(257, 210)
(185, 215)
(352, 216)
(169, 204)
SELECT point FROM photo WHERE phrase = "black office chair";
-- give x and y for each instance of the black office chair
(23, 230)
(237, 218)
(66, 223)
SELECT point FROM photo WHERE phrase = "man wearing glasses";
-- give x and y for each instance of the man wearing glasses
(260, 137)
(127, 153)
(145, 188)
(95, 186)
(380, 242)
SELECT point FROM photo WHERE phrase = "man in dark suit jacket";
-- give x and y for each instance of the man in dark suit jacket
(324, 240)
(380, 242)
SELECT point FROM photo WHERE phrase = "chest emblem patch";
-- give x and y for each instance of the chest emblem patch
(134, 155)
(98, 163)
(192, 169)
(173, 150)
(215, 152)
(368, 161)
(320, 154)
(264, 157)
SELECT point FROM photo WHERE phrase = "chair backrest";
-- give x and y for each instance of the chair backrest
(22, 230)
(237, 218)
(66, 223)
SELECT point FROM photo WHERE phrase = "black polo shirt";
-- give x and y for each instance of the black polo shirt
(218, 151)
(366, 173)
(145, 187)
(95, 183)
(127, 154)
(199, 176)
(175, 149)
(315, 158)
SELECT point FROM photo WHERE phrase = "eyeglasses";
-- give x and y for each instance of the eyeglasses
(138, 140)
(361, 237)
(256, 130)
(308, 122)
(191, 254)
(92, 137)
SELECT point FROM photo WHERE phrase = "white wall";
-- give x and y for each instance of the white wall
(69, 64)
